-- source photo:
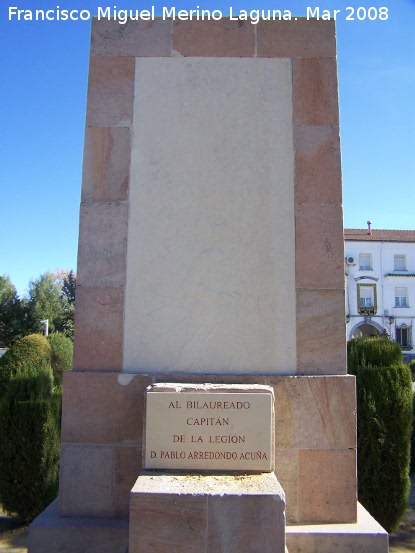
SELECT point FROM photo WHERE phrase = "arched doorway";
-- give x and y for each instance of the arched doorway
(366, 330)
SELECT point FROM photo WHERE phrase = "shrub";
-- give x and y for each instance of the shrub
(412, 467)
(61, 355)
(384, 420)
(376, 352)
(29, 437)
(33, 349)
(412, 369)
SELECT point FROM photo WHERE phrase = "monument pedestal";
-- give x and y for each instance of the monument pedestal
(215, 513)
(315, 463)
(211, 250)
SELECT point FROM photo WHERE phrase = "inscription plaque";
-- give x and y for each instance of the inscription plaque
(209, 427)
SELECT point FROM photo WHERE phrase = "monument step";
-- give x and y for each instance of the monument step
(364, 536)
(50, 533)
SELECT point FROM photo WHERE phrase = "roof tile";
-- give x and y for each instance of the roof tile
(379, 235)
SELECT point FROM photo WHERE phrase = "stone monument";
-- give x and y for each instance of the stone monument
(210, 264)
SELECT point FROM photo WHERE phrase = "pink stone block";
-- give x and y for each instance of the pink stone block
(222, 38)
(321, 335)
(327, 490)
(315, 97)
(134, 38)
(246, 523)
(286, 470)
(316, 412)
(97, 407)
(317, 165)
(102, 246)
(166, 523)
(299, 38)
(98, 336)
(106, 170)
(95, 481)
(185, 513)
(319, 246)
(128, 465)
(110, 91)
(86, 481)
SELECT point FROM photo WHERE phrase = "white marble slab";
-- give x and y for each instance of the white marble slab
(211, 237)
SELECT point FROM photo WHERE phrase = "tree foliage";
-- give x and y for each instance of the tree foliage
(412, 467)
(51, 297)
(30, 408)
(33, 349)
(384, 420)
(69, 286)
(12, 316)
(66, 322)
(376, 352)
(29, 437)
(61, 356)
(44, 302)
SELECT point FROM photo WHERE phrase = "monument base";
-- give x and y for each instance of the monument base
(50, 533)
(194, 513)
(365, 536)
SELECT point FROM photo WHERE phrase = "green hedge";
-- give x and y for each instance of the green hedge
(33, 349)
(61, 355)
(412, 467)
(375, 352)
(384, 421)
(29, 438)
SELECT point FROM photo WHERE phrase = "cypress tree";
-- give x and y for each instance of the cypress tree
(384, 422)
(29, 436)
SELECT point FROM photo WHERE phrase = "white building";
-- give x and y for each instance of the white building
(380, 285)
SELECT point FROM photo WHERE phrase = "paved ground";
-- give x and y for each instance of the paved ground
(15, 542)
(13, 539)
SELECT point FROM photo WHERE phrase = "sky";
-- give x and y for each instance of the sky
(42, 120)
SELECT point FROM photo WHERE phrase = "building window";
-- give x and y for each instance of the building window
(404, 336)
(365, 262)
(399, 262)
(401, 297)
(366, 299)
